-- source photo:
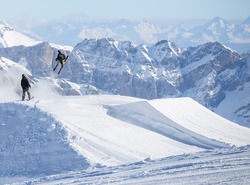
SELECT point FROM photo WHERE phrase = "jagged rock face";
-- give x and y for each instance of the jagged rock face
(162, 70)
(122, 68)
(209, 70)
(37, 59)
(243, 109)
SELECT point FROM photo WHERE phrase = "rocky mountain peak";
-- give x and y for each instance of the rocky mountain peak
(217, 19)
(247, 21)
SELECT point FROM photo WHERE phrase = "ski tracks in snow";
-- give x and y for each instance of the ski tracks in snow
(219, 166)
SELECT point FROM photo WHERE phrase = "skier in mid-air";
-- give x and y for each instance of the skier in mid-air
(60, 58)
(25, 86)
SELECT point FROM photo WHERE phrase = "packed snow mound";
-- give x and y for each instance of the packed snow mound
(143, 114)
(198, 119)
(105, 140)
(72, 133)
(34, 143)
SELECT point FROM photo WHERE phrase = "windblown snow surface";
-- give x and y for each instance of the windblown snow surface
(107, 139)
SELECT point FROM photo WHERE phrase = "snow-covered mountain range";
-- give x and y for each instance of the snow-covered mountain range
(151, 135)
(212, 74)
(68, 32)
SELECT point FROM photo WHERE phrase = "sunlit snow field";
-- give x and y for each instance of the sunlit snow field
(105, 138)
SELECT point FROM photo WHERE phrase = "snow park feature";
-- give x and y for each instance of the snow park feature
(100, 139)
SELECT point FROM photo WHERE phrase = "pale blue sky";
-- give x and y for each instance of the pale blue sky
(131, 9)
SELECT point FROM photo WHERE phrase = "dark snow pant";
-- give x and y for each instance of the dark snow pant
(61, 62)
(24, 91)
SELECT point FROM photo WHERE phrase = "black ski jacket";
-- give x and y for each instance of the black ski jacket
(60, 57)
(25, 83)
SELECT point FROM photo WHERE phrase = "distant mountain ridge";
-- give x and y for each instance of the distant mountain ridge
(236, 36)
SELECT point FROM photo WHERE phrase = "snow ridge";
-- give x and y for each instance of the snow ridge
(71, 32)
(143, 114)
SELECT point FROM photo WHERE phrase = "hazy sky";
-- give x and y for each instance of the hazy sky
(131, 9)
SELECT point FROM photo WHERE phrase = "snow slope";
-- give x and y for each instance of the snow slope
(9, 73)
(220, 166)
(240, 112)
(105, 140)
(9, 37)
(199, 119)
(33, 143)
(95, 133)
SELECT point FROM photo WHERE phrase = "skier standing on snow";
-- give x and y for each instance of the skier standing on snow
(60, 58)
(25, 85)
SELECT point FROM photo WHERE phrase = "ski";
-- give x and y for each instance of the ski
(66, 59)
